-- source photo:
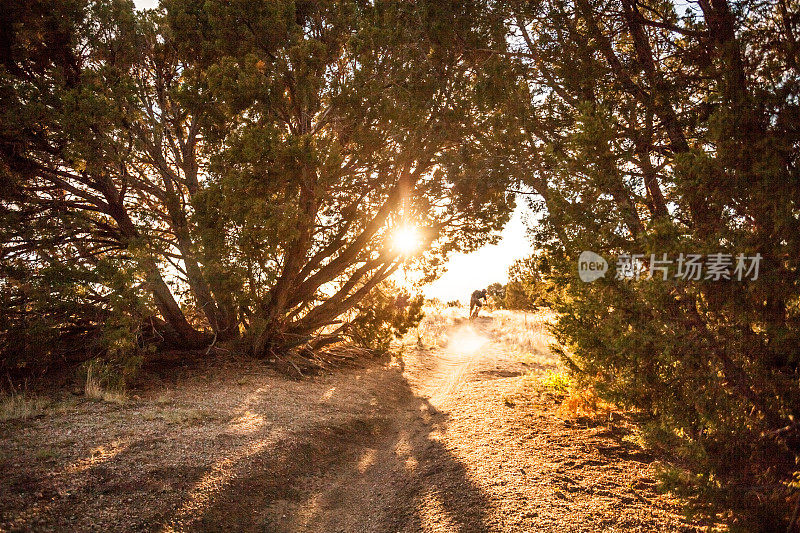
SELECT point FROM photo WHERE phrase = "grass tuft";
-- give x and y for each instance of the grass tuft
(556, 380)
(21, 406)
(95, 390)
(45, 454)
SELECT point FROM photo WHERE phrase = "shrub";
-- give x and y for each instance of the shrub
(704, 366)
(386, 313)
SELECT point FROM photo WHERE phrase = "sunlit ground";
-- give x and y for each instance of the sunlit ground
(524, 332)
(466, 341)
(332, 453)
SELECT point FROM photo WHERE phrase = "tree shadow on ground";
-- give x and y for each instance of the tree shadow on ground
(381, 470)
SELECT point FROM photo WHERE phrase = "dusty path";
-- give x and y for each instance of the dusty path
(455, 437)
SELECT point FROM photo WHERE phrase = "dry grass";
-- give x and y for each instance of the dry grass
(431, 332)
(95, 390)
(529, 331)
(21, 406)
(584, 403)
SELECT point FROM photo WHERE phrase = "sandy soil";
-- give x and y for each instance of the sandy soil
(458, 436)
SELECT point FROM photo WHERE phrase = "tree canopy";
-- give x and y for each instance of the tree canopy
(237, 169)
(652, 129)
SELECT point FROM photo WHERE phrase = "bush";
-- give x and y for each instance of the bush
(712, 389)
(123, 347)
(45, 318)
(63, 313)
(386, 313)
(528, 286)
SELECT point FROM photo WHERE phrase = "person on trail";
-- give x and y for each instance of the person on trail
(476, 301)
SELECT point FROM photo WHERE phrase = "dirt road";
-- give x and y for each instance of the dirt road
(458, 436)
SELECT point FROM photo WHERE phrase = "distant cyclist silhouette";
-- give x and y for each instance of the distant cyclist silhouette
(476, 301)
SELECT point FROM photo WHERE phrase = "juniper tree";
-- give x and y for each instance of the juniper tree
(334, 124)
(644, 130)
(249, 161)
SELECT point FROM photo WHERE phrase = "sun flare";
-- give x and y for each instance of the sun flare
(406, 240)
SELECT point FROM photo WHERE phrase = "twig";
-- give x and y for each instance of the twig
(296, 368)
(781, 431)
(208, 351)
(287, 361)
(638, 496)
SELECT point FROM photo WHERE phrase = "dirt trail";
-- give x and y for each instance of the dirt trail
(394, 471)
(452, 438)
(465, 349)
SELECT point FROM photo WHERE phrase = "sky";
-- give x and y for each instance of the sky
(489, 264)
(145, 4)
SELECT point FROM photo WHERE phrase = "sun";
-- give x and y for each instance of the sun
(406, 240)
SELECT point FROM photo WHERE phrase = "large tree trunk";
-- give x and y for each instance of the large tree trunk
(187, 336)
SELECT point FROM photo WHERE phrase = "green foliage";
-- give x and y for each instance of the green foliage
(520, 296)
(237, 160)
(558, 381)
(639, 129)
(642, 349)
(386, 313)
(122, 341)
(496, 293)
(527, 287)
(63, 311)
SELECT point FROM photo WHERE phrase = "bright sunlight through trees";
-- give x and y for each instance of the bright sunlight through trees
(406, 240)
